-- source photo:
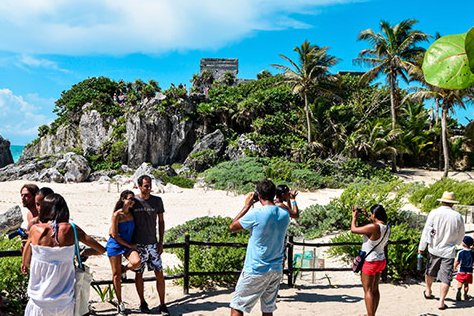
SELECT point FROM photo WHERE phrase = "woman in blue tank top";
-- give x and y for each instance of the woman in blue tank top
(120, 243)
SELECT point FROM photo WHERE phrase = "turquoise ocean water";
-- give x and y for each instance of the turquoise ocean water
(16, 151)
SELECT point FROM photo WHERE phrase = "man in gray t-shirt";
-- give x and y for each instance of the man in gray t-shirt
(147, 212)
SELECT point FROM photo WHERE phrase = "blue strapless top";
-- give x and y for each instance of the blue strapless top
(125, 230)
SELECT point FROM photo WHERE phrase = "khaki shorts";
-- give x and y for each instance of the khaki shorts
(441, 268)
(252, 287)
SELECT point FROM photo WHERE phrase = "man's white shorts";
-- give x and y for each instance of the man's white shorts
(252, 287)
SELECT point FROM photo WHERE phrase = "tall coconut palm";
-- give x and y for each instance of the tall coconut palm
(308, 72)
(449, 99)
(371, 140)
(392, 54)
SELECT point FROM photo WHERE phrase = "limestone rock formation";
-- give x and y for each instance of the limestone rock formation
(66, 138)
(75, 167)
(157, 137)
(244, 145)
(92, 131)
(10, 220)
(5, 153)
(206, 152)
(68, 167)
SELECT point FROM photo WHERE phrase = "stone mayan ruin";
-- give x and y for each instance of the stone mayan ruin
(219, 66)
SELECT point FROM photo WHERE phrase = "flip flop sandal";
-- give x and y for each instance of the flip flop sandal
(443, 307)
(428, 297)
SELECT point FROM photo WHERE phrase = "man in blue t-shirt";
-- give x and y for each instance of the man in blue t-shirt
(263, 267)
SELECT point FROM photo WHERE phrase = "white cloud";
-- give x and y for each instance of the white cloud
(35, 62)
(21, 116)
(146, 26)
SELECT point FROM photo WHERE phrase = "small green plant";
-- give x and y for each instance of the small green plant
(106, 293)
(202, 258)
(13, 284)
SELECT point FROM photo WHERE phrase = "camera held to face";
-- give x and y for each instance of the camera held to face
(255, 196)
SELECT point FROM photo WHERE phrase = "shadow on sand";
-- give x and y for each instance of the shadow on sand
(205, 301)
(312, 294)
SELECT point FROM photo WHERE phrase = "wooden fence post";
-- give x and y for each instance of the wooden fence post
(186, 264)
(290, 261)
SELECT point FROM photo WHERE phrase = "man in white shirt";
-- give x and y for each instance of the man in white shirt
(444, 229)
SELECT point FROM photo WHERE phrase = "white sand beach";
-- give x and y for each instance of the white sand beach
(91, 206)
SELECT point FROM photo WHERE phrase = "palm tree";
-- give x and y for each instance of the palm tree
(311, 69)
(417, 136)
(392, 54)
(371, 140)
(449, 99)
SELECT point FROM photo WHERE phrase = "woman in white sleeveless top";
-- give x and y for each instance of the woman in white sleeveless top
(375, 234)
(49, 257)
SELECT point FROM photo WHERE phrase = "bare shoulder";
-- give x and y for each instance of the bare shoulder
(37, 230)
(118, 214)
(282, 205)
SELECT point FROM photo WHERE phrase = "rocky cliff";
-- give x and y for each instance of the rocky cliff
(5, 153)
(159, 137)
(152, 134)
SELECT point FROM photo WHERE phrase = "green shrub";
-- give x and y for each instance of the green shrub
(367, 193)
(239, 176)
(202, 258)
(425, 197)
(341, 173)
(356, 168)
(317, 220)
(307, 180)
(280, 168)
(181, 182)
(401, 258)
(13, 283)
(203, 159)
(97, 162)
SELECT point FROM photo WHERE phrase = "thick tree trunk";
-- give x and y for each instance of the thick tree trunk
(444, 138)
(437, 112)
(308, 118)
(393, 112)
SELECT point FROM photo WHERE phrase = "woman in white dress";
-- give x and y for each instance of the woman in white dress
(49, 258)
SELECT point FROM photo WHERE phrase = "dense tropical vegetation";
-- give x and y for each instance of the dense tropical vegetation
(312, 128)
(307, 113)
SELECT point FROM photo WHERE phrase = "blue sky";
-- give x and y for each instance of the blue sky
(46, 46)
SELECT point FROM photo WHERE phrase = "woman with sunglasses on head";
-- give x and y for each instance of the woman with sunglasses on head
(375, 235)
(286, 199)
(119, 243)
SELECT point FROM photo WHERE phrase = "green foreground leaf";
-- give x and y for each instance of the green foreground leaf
(445, 64)
(469, 46)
